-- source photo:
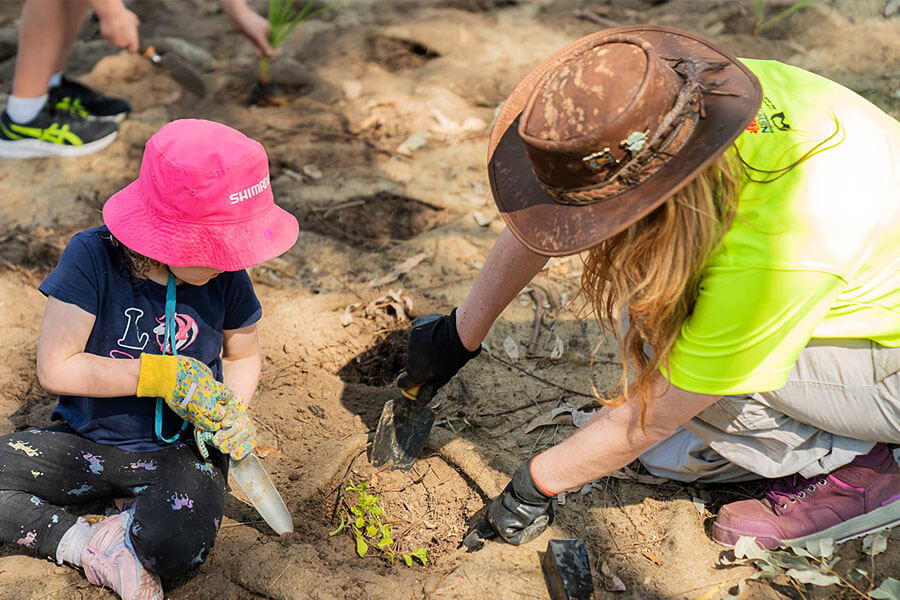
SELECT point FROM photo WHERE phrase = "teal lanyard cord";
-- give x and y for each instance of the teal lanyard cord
(168, 348)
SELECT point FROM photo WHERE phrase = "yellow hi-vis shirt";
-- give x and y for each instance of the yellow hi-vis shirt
(812, 254)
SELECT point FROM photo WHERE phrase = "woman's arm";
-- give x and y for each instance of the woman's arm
(241, 361)
(614, 438)
(63, 367)
(508, 268)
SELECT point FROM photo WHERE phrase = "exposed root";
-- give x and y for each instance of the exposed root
(466, 457)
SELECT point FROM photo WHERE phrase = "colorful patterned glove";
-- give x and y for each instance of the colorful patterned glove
(237, 437)
(188, 387)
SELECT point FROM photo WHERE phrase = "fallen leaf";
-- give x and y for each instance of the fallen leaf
(823, 547)
(413, 143)
(264, 451)
(891, 8)
(399, 270)
(558, 348)
(699, 505)
(611, 581)
(874, 544)
(312, 171)
(480, 219)
(547, 419)
(888, 590)
(511, 348)
(813, 576)
(652, 557)
(747, 547)
(581, 418)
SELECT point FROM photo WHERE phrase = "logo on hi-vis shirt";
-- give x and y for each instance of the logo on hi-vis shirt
(250, 192)
(769, 119)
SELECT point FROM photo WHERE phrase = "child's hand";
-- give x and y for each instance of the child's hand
(118, 25)
(237, 437)
(188, 387)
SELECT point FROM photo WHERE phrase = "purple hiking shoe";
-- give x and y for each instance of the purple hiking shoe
(853, 500)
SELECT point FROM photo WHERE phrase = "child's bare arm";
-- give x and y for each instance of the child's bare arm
(63, 367)
(241, 361)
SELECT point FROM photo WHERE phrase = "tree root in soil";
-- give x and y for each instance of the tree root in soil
(466, 457)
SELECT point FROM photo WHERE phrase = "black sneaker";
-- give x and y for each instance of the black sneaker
(54, 133)
(78, 99)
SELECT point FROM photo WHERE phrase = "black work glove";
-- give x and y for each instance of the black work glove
(434, 353)
(522, 512)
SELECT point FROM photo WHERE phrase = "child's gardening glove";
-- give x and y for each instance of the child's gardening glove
(237, 437)
(188, 387)
(434, 353)
(522, 511)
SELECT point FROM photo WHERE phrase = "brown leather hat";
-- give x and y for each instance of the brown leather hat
(606, 129)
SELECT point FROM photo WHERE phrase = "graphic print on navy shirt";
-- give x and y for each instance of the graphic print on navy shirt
(94, 274)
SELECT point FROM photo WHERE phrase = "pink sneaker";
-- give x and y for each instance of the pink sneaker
(851, 501)
(108, 561)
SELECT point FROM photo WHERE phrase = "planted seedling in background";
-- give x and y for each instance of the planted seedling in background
(759, 12)
(282, 21)
(363, 517)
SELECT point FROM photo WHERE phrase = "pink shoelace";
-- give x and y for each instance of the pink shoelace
(790, 489)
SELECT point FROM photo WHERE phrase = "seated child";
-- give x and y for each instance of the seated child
(149, 336)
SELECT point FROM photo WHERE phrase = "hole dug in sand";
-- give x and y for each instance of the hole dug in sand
(373, 221)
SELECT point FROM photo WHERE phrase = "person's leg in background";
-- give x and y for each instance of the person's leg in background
(31, 125)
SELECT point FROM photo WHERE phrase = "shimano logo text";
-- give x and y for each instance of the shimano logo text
(250, 191)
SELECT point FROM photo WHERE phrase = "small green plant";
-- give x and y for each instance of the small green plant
(362, 517)
(759, 12)
(282, 21)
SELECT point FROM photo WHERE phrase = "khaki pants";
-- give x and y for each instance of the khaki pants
(841, 397)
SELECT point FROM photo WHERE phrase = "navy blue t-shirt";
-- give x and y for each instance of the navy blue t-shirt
(94, 274)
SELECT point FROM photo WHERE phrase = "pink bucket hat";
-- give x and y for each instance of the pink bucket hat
(202, 199)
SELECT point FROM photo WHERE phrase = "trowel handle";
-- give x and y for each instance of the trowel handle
(411, 393)
(152, 54)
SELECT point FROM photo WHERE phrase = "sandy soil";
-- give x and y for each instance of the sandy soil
(355, 86)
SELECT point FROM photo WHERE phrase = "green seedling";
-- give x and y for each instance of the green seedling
(282, 21)
(759, 10)
(363, 516)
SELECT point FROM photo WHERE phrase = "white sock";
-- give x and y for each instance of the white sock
(22, 110)
(72, 543)
(55, 79)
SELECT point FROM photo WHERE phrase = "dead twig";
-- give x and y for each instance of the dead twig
(708, 585)
(533, 376)
(538, 297)
(357, 137)
(589, 15)
(283, 571)
(521, 407)
(328, 210)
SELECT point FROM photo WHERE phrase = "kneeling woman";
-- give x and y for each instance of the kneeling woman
(740, 223)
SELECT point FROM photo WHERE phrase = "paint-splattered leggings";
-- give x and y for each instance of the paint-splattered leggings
(177, 500)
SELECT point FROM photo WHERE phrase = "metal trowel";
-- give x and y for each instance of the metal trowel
(178, 69)
(403, 428)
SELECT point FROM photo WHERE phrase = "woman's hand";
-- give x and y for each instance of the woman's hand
(434, 353)
(254, 26)
(522, 511)
(118, 25)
